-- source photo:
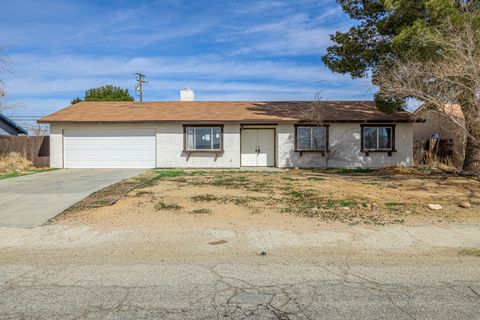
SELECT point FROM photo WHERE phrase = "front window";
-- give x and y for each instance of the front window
(203, 138)
(311, 138)
(377, 138)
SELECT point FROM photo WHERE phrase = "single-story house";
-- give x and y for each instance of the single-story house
(10, 128)
(223, 134)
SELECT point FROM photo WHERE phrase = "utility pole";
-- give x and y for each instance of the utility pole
(140, 81)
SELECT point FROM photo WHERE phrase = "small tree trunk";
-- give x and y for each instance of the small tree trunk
(471, 163)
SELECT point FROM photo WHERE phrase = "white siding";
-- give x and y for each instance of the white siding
(344, 142)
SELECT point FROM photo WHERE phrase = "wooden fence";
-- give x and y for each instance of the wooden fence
(35, 149)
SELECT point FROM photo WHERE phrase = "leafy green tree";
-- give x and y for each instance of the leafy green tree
(105, 93)
(108, 93)
(387, 31)
(76, 100)
(416, 49)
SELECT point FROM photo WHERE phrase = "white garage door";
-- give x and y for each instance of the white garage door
(109, 148)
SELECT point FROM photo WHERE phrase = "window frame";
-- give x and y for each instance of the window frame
(327, 135)
(385, 150)
(202, 126)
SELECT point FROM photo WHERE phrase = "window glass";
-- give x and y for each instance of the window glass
(370, 138)
(319, 139)
(303, 138)
(216, 138)
(203, 138)
(190, 138)
(377, 138)
(311, 138)
(384, 141)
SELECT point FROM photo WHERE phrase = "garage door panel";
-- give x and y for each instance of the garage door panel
(109, 149)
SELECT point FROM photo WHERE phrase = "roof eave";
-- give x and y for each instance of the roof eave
(19, 129)
(236, 121)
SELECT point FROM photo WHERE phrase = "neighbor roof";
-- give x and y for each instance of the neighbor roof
(13, 125)
(454, 110)
(221, 111)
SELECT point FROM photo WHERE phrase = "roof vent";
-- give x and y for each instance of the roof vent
(187, 94)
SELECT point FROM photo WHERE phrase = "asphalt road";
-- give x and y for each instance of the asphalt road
(243, 290)
(31, 200)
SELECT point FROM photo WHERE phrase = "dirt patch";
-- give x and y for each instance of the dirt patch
(349, 198)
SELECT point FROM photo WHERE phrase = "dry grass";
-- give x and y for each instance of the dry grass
(14, 162)
(472, 252)
(396, 170)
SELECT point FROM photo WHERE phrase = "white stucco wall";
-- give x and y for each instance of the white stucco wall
(344, 144)
(170, 149)
(56, 146)
(169, 139)
(345, 148)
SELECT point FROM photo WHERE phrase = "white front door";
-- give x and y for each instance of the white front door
(258, 148)
(129, 148)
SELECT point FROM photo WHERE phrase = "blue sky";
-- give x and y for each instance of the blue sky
(224, 50)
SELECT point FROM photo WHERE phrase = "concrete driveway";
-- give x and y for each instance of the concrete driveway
(31, 200)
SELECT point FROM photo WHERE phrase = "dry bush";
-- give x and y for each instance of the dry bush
(400, 170)
(14, 161)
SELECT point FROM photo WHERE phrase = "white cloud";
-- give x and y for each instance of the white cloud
(249, 50)
(211, 67)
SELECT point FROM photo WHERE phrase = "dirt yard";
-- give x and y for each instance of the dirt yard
(175, 213)
(277, 196)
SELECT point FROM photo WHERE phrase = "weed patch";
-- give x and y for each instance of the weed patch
(201, 211)
(17, 173)
(167, 206)
(347, 203)
(394, 204)
(258, 187)
(205, 197)
(472, 252)
(288, 178)
(143, 193)
(12, 174)
(350, 170)
(161, 174)
(315, 178)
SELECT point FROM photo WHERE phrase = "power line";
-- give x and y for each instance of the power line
(140, 81)
(25, 116)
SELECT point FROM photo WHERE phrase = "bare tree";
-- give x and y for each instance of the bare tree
(451, 77)
(3, 70)
(313, 114)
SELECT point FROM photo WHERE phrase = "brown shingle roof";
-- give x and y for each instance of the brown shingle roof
(220, 111)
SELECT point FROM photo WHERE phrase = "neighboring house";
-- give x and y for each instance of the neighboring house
(441, 134)
(10, 128)
(227, 135)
